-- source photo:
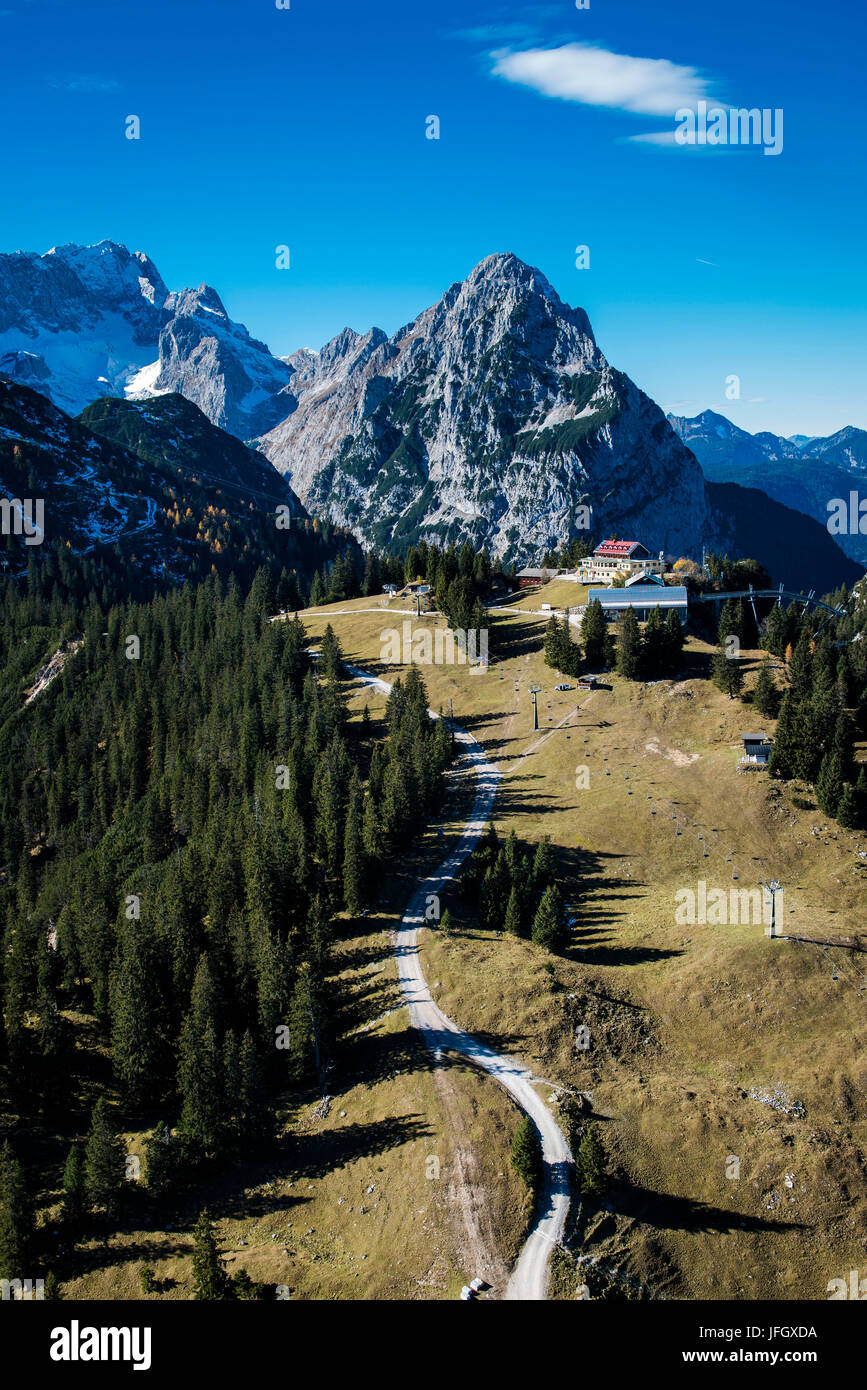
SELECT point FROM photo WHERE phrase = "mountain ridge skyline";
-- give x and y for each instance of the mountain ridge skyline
(205, 290)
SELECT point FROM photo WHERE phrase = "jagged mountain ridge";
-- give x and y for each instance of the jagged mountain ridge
(494, 416)
(86, 321)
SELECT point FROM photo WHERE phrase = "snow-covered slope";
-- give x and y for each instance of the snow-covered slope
(87, 321)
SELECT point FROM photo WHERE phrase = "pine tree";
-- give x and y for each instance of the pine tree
(74, 1185)
(596, 637)
(728, 673)
(848, 809)
(160, 1154)
(765, 696)
(446, 924)
(590, 1168)
(139, 1053)
(16, 1222)
(829, 783)
(731, 622)
(549, 924)
(628, 645)
(252, 1108)
(353, 851)
(317, 591)
(527, 1154)
(200, 1085)
(543, 864)
(210, 1280)
(104, 1160)
(512, 923)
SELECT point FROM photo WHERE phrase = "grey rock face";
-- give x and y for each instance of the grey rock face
(493, 416)
(87, 321)
(231, 377)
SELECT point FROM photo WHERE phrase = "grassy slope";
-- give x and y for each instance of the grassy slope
(684, 1020)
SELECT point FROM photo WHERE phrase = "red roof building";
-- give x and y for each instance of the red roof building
(622, 550)
(613, 558)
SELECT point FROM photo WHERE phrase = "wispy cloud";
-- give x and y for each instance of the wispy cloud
(84, 82)
(595, 76)
(657, 137)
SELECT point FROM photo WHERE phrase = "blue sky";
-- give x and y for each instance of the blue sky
(306, 127)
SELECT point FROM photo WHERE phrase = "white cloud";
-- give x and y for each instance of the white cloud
(659, 137)
(595, 76)
(86, 83)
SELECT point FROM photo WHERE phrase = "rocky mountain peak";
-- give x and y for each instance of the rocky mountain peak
(491, 416)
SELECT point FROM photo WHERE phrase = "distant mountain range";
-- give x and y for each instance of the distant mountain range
(493, 416)
(804, 473)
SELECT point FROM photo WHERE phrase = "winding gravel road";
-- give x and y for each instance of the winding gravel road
(529, 1278)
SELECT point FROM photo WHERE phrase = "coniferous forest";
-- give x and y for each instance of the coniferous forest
(184, 812)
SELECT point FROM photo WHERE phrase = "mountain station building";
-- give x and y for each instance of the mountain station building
(642, 598)
(613, 558)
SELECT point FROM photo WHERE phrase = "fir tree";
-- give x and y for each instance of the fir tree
(590, 1168)
(628, 645)
(654, 651)
(527, 1154)
(74, 1185)
(200, 1086)
(673, 641)
(543, 864)
(512, 923)
(104, 1159)
(353, 851)
(15, 1217)
(317, 591)
(252, 1108)
(138, 1020)
(731, 622)
(728, 673)
(210, 1280)
(766, 697)
(848, 808)
(306, 1018)
(549, 924)
(160, 1153)
(829, 783)
(596, 637)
